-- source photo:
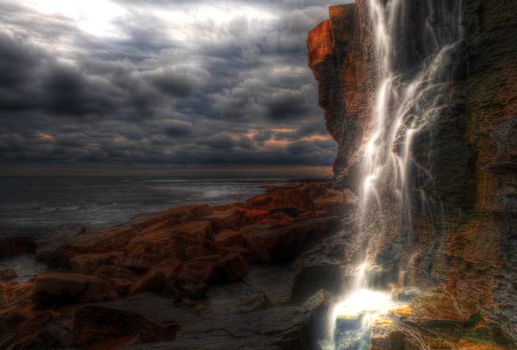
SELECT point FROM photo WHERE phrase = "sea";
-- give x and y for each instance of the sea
(30, 205)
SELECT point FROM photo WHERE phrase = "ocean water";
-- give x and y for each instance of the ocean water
(40, 204)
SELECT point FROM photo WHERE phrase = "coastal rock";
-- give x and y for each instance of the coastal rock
(89, 263)
(159, 278)
(229, 238)
(295, 197)
(167, 242)
(104, 241)
(174, 216)
(196, 276)
(279, 244)
(119, 278)
(228, 218)
(233, 267)
(54, 287)
(179, 254)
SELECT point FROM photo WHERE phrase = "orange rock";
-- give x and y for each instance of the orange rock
(227, 218)
(146, 250)
(196, 275)
(158, 278)
(275, 244)
(228, 238)
(121, 279)
(55, 287)
(104, 241)
(233, 267)
(88, 263)
(171, 217)
(296, 196)
(334, 201)
(320, 43)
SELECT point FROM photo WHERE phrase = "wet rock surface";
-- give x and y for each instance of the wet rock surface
(463, 247)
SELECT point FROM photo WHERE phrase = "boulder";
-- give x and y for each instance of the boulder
(88, 263)
(229, 238)
(249, 255)
(57, 287)
(171, 217)
(228, 217)
(279, 244)
(119, 278)
(196, 276)
(160, 277)
(146, 250)
(335, 202)
(233, 267)
(201, 250)
(104, 241)
(48, 243)
(297, 195)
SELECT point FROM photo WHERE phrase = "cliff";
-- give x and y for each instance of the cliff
(340, 57)
(468, 256)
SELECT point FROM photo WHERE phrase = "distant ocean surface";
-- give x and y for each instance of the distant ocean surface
(38, 204)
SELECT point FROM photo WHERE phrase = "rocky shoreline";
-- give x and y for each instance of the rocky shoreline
(244, 275)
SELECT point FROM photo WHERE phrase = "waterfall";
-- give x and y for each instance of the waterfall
(409, 97)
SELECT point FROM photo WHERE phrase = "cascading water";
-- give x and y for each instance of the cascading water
(409, 97)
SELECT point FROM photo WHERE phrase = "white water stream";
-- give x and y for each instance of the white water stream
(407, 101)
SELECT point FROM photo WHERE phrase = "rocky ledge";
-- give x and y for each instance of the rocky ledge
(244, 275)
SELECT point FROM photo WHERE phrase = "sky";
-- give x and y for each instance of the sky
(156, 84)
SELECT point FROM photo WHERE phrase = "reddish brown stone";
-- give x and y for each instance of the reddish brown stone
(228, 238)
(171, 217)
(88, 263)
(104, 241)
(119, 278)
(233, 267)
(196, 276)
(279, 244)
(67, 287)
(320, 43)
(158, 278)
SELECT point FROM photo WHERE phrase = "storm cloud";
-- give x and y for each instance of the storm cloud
(159, 82)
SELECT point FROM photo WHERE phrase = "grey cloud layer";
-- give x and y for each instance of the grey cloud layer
(236, 92)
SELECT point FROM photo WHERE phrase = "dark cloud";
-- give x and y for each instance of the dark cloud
(160, 83)
(286, 106)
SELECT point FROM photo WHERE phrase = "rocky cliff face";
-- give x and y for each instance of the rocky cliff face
(469, 253)
(340, 56)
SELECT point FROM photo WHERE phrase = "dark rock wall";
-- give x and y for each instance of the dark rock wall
(469, 250)
(479, 258)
